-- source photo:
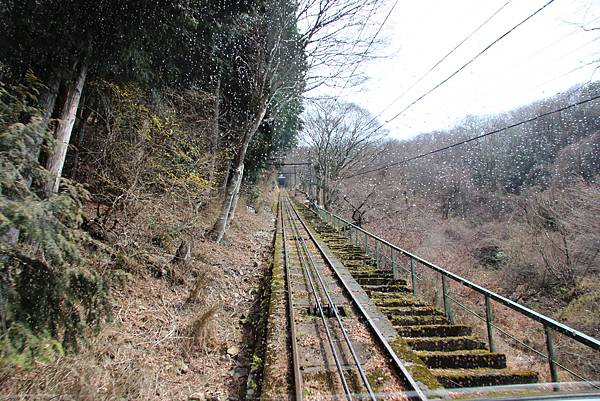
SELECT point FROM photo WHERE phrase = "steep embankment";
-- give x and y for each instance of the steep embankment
(188, 334)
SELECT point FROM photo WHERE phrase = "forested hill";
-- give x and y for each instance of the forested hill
(515, 210)
(515, 154)
(128, 131)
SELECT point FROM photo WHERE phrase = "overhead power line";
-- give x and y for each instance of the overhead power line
(579, 67)
(440, 61)
(470, 61)
(442, 149)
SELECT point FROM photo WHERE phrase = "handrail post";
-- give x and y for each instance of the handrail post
(413, 276)
(489, 317)
(447, 306)
(551, 355)
(550, 325)
(393, 257)
(377, 254)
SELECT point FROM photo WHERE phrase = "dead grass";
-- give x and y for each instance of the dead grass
(167, 340)
(201, 332)
(200, 289)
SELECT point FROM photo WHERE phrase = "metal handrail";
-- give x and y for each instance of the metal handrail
(546, 321)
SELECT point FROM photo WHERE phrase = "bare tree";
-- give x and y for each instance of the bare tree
(337, 35)
(341, 137)
(264, 72)
(332, 34)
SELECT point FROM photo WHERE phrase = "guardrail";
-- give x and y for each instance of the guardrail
(374, 246)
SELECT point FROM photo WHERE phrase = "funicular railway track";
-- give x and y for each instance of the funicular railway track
(337, 352)
(347, 318)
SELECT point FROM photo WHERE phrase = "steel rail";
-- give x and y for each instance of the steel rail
(295, 358)
(338, 318)
(551, 323)
(322, 315)
(416, 392)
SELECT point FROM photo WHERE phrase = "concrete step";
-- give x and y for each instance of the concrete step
(386, 288)
(434, 330)
(392, 295)
(463, 359)
(365, 279)
(361, 269)
(409, 310)
(398, 301)
(452, 378)
(445, 343)
(418, 320)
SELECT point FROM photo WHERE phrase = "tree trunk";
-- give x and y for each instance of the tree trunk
(56, 158)
(214, 138)
(48, 100)
(234, 183)
(221, 224)
(79, 132)
(226, 177)
(213, 147)
(234, 202)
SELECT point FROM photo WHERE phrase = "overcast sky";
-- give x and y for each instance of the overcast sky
(540, 58)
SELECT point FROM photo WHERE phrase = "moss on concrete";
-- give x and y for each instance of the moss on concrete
(259, 381)
(417, 368)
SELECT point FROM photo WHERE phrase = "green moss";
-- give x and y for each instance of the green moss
(377, 378)
(415, 366)
(470, 359)
(270, 302)
(485, 377)
(417, 320)
(276, 297)
(26, 347)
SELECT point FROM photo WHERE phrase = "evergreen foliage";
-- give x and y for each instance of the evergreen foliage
(46, 293)
(155, 99)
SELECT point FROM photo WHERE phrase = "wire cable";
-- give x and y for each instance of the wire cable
(440, 61)
(497, 131)
(470, 61)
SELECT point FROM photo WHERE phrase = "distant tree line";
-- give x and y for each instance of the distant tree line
(521, 205)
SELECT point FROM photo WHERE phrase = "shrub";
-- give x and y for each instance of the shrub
(46, 294)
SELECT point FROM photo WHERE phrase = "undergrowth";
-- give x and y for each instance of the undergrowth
(49, 296)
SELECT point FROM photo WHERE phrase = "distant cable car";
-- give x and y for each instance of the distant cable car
(281, 180)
